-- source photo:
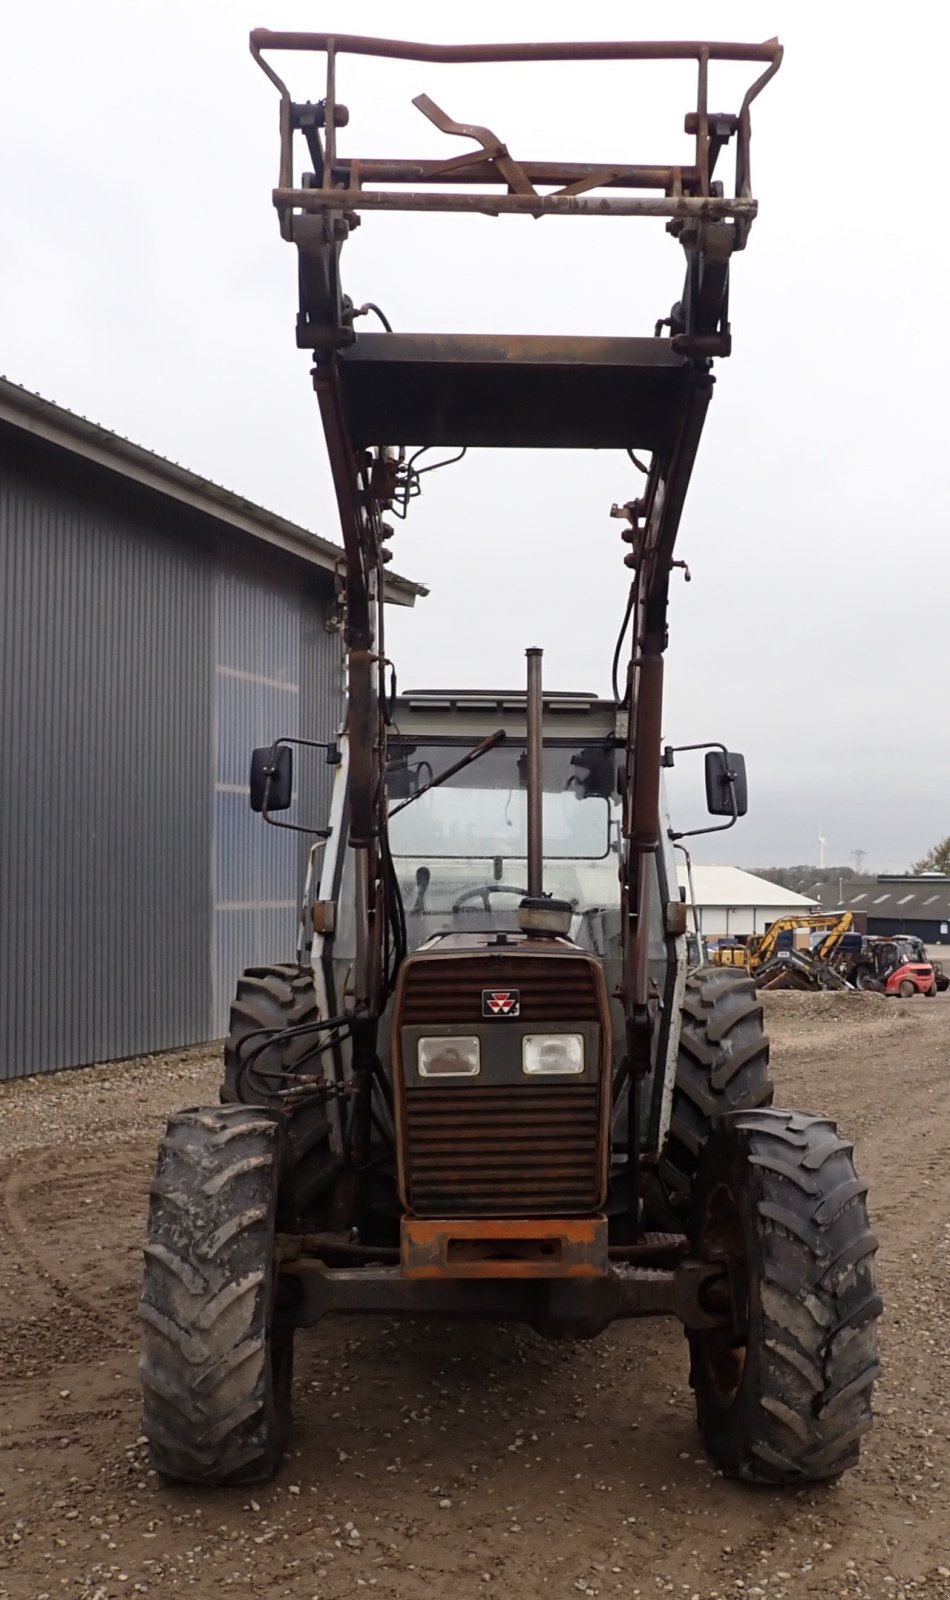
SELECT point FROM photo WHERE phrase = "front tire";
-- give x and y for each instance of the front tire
(216, 1364)
(784, 1395)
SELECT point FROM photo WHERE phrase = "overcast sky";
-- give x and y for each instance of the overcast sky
(145, 286)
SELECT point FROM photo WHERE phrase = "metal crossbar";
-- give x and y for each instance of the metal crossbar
(339, 184)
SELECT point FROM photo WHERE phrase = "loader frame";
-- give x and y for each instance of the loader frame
(383, 392)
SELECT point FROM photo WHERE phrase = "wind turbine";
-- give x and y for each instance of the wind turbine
(822, 841)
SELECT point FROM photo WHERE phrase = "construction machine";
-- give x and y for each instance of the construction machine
(776, 962)
(730, 953)
(489, 1085)
(898, 966)
(915, 950)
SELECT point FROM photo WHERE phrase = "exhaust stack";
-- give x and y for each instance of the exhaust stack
(535, 779)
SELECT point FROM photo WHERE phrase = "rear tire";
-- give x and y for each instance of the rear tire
(907, 990)
(276, 998)
(786, 1396)
(722, 1066)
(215, 1368)
(270, 998)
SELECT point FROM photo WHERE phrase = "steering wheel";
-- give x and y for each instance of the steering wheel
(485, 891)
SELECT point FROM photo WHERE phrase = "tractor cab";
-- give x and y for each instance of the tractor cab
(460, 846)
(460, 836)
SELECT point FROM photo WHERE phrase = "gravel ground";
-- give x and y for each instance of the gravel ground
(480, 1461)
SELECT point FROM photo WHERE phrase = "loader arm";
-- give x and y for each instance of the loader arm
(383, 393)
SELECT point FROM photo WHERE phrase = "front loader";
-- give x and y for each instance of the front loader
(491, 1083)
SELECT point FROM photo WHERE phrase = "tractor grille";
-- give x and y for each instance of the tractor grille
(553, 989)
(503, 1150)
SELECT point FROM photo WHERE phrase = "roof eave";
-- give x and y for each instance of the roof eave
(45, 420)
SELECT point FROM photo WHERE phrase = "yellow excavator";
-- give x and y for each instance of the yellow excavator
(836, 924)
(761, 948)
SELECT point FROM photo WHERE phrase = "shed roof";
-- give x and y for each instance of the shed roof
(923, 899)
(731, 887)
(21, 409)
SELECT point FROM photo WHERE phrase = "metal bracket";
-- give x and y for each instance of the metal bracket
(491, 146)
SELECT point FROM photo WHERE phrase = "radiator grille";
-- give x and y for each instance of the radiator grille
(503, 1150)
(440, 990)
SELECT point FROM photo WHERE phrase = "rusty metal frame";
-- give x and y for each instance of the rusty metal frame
(487, 1247)
(689, 193)
(318, 216)
(581, 1306)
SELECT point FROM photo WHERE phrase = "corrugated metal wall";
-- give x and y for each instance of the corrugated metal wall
(277, 673)
(138, 664)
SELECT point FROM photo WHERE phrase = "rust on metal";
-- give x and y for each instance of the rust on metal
(535, 774)
(581, 1307)
(495, 1147)
(521, 1247)
(688, 196)
(709, 208)
(446, 985)
(535, 50)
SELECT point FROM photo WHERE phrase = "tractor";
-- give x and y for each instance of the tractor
(490, 1082)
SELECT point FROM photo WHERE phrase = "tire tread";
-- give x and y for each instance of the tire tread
(804, 1403)
(212, 1411)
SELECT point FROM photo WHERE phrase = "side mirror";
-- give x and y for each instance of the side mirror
(727, 793)
(272, 778)
(597, 768)
(401, 782)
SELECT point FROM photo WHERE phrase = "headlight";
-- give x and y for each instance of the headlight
(456, 1057)
(552, 1053)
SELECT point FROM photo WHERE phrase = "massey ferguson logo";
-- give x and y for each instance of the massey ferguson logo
(501, 1002)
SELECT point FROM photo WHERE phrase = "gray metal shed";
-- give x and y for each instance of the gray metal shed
(153, 628)
(896, 903)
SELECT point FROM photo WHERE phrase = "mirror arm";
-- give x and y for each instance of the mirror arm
(323, 834)
(330, 746)
(670, 750)
(721, 827)
(333, 760)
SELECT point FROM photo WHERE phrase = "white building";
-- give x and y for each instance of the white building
(730, 901)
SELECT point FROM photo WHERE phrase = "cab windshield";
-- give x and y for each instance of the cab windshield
(461, 850)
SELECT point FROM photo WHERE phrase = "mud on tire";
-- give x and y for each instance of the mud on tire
(722, 1066)
(785, 1397)
(216, 1364)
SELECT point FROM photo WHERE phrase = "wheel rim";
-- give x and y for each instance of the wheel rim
(723, 1237)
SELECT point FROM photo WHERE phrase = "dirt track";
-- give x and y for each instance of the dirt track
(462, 1461)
